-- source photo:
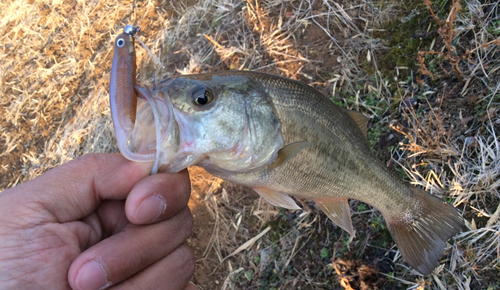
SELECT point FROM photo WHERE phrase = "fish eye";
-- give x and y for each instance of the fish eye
(203, 97)
(120, 42)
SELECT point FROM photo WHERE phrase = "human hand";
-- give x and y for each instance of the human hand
(95, 222)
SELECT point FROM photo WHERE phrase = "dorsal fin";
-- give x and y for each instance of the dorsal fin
(360, 119)
(289, 151)
(338, 210)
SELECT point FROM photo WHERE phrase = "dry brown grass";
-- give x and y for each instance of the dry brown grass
(54, 79)
(54, 107)
(452, 157)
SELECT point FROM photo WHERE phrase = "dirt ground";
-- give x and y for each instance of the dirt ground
(428, 79)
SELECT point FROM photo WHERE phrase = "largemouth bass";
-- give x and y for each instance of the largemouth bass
(282, 138)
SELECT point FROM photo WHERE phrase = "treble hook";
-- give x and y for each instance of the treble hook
(132, 31)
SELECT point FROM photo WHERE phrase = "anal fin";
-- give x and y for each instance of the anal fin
(338, 210)
(276, 198)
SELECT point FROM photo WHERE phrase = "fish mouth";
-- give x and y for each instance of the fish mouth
(161, 131)
(158, 128)
(154, 125)
(142, 140)
(133, 145)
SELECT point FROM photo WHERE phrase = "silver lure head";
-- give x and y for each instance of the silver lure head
(131, 30)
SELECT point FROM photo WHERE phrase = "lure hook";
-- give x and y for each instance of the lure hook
(132, 31)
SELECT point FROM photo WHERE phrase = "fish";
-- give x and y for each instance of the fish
(281, 138)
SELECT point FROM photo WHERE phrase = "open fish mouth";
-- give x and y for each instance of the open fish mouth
(156, 129)
(142, 140)
(158, 132)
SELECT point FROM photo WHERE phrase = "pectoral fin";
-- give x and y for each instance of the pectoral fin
(276, 198)
(338, 211)
(289, 151)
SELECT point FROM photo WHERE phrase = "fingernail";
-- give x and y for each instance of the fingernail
(92, 276)
(151, 208)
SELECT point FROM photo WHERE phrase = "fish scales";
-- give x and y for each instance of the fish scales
(340, 154)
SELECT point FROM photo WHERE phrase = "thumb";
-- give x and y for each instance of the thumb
(73, 190)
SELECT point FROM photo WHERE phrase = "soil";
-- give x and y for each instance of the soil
(203, 229)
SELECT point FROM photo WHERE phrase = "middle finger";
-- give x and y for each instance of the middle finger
(158, 197)
(129, 251)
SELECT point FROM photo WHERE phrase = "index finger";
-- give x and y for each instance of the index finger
(72, 190)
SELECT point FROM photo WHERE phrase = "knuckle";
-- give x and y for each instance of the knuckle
(188, 221)
(94, 230)
(175, 187)
(184, 223)
(90, 159)
(184, 186)
(189, 259)
(187, 186)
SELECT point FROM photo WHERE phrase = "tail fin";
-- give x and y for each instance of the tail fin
(422, 239)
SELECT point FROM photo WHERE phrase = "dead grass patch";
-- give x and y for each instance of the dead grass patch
(54, 107)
